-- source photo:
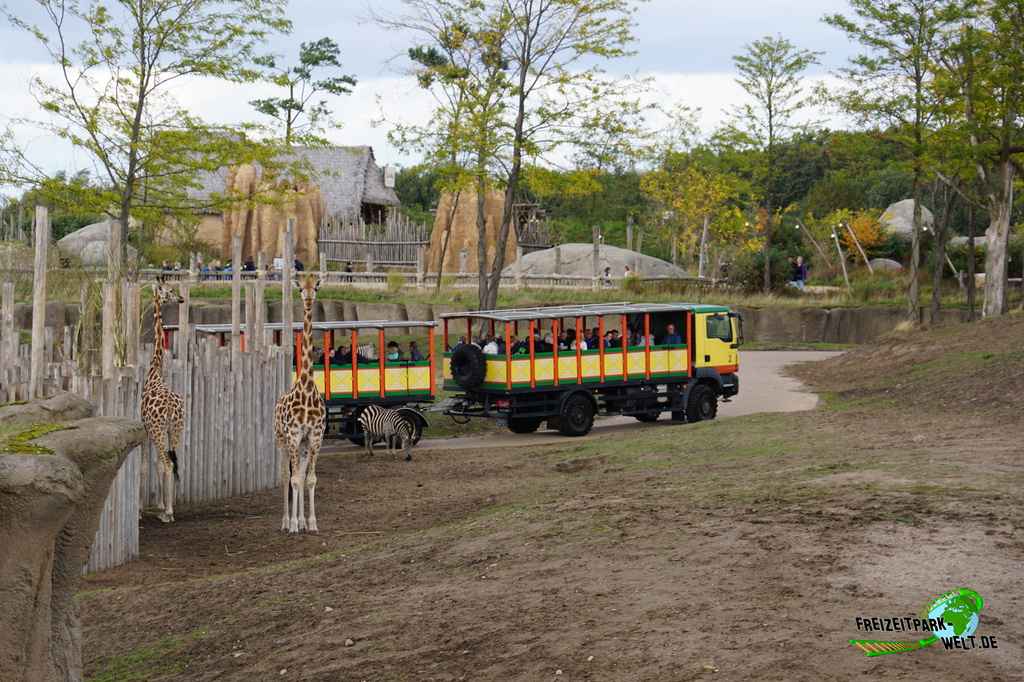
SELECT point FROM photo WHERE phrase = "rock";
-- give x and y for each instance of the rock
(50, 505)
(349, 642)
(327, 609)
(885, 265)
(899, 218)
(90, 243)
(577, 260)
(464, 233)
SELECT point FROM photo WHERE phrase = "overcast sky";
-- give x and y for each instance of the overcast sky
(686, 46)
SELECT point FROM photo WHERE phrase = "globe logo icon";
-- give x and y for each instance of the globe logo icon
(959, 611)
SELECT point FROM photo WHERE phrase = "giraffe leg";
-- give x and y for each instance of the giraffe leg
(166, 478)
(314, 452)
(171, 476)
(282, 450)
(296, 488)
(303, 467)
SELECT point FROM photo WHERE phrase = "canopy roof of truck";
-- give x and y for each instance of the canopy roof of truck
(336, 325)
(584, 310)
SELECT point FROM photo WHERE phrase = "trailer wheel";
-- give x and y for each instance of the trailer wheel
(577, 417)
(702, 404)
(524, 424)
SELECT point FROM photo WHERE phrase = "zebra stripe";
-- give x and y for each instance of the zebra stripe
(382, 423)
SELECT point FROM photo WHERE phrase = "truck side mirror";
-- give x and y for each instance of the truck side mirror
(739, 327)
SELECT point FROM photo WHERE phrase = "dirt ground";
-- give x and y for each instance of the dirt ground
(736, 549)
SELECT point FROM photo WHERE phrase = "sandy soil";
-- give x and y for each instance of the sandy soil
(738, 549)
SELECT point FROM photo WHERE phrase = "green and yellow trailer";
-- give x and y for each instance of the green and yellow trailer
(683, 359)
(351, 382)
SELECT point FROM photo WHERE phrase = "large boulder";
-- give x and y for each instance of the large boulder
(90, 243)
(886, 265)
(578, 260)
(899, 218)
(55, 472)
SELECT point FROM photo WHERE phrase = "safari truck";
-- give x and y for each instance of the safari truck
(564, 365)
(358, 372)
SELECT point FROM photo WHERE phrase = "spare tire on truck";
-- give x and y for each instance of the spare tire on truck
(468, 366)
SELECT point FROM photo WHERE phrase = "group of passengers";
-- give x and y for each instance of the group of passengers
(567, 341)
(367, 353)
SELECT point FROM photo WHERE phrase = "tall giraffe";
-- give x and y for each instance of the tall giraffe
(163, 410)
(301, 416)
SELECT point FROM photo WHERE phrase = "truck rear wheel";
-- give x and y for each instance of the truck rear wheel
(524, 424)
(702, 404)
(577, 417)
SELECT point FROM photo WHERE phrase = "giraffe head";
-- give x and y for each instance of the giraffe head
(308, 286)
(162, 293)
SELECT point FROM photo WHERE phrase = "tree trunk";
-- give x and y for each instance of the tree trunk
(997, 243)
(447, 235)
(939, 256)
(702, 257)
(971, 296)
(483, 283)
(913, 291)
(768, 252)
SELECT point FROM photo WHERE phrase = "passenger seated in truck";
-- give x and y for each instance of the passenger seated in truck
(414, 352)
(671, 338)
(394, 353)
(491, 347)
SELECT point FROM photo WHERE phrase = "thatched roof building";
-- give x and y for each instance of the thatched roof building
(341, 183)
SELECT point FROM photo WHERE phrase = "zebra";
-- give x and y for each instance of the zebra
(380, 422)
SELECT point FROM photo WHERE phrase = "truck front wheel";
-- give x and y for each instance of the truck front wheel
(702, 404)
(577, 416)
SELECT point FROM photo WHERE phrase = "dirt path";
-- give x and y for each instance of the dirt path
(763, 388)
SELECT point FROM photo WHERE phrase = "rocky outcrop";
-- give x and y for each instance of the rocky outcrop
(90, 243)
(885, 265)
(464, 232)
(577, 260)
(899, 218)
(56, 466)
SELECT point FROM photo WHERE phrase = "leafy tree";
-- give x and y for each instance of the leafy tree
(985, 60)
(116, 60)
(524, 76)
(303, 113)
(891, 83)
(63, 195)
(771, 72)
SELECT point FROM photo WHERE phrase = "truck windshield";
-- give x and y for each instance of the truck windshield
(719, 327)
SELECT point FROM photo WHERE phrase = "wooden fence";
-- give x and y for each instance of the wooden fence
(397, 242)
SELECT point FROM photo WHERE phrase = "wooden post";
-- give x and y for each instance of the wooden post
(519, 267)
(287, 340)
(421, 263)
(596, 236)
(629, 232)
(250, 314)
(256, 327)
(463, 258)
(132, 309)
(184, 322)
(8, 334)
(558, 260)
(236, 298)
(323, 266)
(42, 230)
(842, 259)
(107, 342)
(369, 259)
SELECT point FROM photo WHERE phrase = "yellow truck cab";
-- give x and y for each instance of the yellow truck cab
(565, 364)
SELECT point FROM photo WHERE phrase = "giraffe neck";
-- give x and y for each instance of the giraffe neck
(157, 362)
(305, 371)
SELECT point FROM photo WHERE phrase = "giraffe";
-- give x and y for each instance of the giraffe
(301, 416)
(163, 410)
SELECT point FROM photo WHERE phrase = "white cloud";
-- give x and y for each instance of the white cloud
(398, 98)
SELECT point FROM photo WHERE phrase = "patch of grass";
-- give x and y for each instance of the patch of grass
(162, 657)
(17, 440)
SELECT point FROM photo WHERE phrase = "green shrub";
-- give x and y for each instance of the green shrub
(395, 281)
(747, 270)
(866, 287)
(633, 285)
